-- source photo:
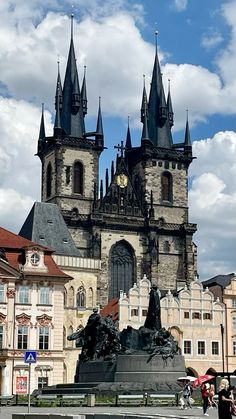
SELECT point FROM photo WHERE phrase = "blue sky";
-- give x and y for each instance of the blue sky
(115, 40)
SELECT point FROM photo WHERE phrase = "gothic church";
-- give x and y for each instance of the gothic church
(136, 222)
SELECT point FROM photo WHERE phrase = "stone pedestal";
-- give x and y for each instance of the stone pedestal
(134, 368)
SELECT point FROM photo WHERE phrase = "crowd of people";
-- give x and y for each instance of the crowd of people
(225, 403)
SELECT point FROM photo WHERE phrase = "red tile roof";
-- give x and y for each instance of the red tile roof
(14, 247)
(111, 308)
(9, 240)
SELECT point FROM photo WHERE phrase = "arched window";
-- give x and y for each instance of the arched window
(166, 187)
(122, 268)
(81, 297)
(49, 180)
(78, 177)
(70, 301)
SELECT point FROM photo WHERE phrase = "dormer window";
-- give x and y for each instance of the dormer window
(34, 260)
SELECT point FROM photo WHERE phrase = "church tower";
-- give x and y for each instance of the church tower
(70, 158)
(136, 222)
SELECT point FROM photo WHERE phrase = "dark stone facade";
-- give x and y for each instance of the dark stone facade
(137, 222)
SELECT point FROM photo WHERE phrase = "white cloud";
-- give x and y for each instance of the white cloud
(212, 201)
(19, 168)
(211, 39)
(180, 5)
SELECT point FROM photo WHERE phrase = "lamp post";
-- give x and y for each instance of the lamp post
(222, 346)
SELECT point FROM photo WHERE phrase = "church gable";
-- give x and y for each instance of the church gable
(121, 197)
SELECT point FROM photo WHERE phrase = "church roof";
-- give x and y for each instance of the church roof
(222, 280)
(13, 247)
(46, 226)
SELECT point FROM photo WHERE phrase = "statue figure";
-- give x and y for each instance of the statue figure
(153, 319)
(101, 339)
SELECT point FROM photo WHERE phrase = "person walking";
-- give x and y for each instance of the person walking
(186, 395)
(205, 397)
(211, 396)
(225, 402)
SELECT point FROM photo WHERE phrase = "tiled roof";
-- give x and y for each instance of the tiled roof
(14, 246)
(9, 240)
(111, 308)
(45, 225)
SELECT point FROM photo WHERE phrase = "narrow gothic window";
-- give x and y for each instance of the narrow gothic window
(78, 177)
(81, 299)
(49, 181)
(122, 264)
(166, 187)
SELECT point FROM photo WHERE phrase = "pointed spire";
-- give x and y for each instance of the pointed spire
(158, 122)
(58, 102)
(128, 143)
(107, 180)
(99, 129)
(145, 133)
(84, 94)
(112, 170)
(162, 108)
(187, 140)
(72, 118)
(144, 99)
(42, 125)
(58, 94)
(169, 107)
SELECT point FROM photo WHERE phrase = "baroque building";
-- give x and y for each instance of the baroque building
(31, 315)
(136, 222)
(194, 316)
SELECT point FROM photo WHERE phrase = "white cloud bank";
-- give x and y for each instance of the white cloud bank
(111, 46)
(212, 201)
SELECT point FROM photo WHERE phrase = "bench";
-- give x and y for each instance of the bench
(77, 399)
(169, 399)
(48, 398)
(130, 398)
(6, 400)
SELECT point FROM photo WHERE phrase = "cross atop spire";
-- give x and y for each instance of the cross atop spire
(120, 148)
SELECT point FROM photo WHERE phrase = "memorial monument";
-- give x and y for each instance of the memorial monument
(143, 359)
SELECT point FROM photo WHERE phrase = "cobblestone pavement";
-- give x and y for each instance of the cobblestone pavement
(158, 412)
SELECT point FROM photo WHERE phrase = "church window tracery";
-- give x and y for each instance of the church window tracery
(122, 262)
(78, 177)
(81, 297)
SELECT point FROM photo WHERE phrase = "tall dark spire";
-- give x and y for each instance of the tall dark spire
(58, 94)
(41, 139)
(158, 122)
(42, 125)
(187, 140)
(84, 94)
(145, 133)
(128, 144)
(99, 129)
(169, 107)
(144, 100)
(58, 103)
(72, 118)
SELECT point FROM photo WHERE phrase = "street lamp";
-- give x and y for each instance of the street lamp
(222, 346)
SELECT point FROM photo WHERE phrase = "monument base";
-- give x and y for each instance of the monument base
(132, 368)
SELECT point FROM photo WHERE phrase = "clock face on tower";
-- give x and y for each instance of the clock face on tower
(34, 259)
(122, 180)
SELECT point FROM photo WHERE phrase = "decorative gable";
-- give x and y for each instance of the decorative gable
(121, 197)
(34, 260)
